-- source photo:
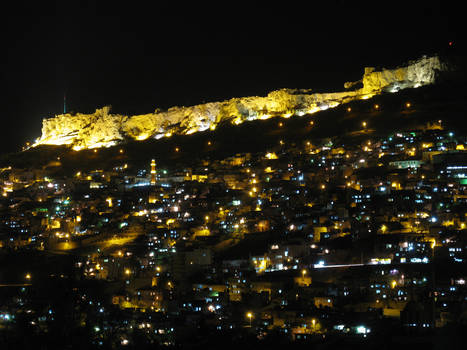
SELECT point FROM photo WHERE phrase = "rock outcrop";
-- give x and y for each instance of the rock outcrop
(102, 129)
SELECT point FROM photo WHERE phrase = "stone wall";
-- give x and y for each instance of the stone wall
(102, 129)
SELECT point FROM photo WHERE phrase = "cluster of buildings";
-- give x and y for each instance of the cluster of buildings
(304, 240)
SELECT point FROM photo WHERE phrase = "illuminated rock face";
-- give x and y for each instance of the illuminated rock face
(417, 73)
(102, 129)
(83, 130)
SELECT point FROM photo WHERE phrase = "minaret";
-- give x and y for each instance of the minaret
(152, 192)
(153, 172)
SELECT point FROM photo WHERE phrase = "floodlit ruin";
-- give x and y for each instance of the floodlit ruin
(103, 129)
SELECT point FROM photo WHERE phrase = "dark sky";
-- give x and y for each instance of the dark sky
(137, 57)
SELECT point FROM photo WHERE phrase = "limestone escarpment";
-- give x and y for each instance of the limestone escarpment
(102, 129)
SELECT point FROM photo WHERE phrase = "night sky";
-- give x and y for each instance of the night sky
(138, 58)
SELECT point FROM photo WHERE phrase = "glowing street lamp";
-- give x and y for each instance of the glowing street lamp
(28, 276)
(250, 316)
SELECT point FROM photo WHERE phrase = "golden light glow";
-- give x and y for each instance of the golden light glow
(271, 155)
(367, 96)
(364, 124)
(237, 121)
(313, 110)
(142, 137)
(448, 223)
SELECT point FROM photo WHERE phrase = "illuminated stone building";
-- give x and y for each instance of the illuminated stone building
(152, 194)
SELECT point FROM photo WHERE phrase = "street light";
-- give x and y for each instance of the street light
(250, 316)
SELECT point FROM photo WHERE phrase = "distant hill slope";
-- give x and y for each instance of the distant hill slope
(103, 129)
(444, 101)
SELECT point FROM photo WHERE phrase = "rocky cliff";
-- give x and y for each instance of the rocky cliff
(102, 129)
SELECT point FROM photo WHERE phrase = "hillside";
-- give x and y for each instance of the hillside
(104, 129)
(444, 101)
